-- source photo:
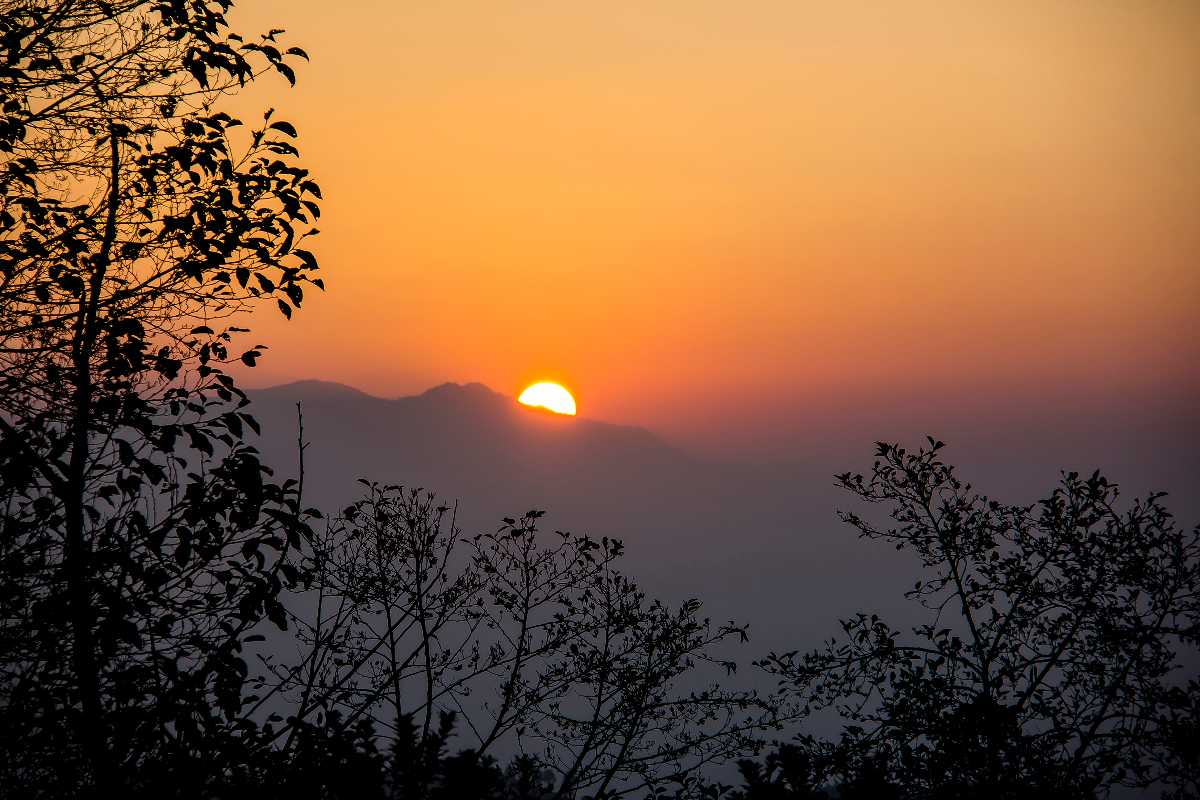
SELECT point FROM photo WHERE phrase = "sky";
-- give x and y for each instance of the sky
(735, 223)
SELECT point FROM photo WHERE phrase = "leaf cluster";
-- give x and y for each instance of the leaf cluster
(1054, 649)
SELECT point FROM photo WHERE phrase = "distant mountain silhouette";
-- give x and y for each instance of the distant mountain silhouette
(750, 541)
(464, 441)
(757, 542)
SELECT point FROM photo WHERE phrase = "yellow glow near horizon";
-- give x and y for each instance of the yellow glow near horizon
(550, 396)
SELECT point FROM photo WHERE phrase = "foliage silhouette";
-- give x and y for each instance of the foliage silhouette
(143, 541)
(536, 642)
(332, 760)
(787, 773)
(1051, 662)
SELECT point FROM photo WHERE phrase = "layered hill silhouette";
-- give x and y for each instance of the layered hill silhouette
(741, 537)
(466, 442)
(761, 543)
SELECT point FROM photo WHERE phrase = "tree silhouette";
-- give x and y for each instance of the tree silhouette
(787, 773)
(1050, 666)
(534, 642)
(142, 540)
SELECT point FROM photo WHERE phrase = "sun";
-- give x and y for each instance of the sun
(550, 396)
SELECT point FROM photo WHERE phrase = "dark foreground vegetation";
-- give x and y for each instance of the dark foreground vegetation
(1050, 662)
(175, 622)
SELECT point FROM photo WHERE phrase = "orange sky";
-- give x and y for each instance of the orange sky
(682, 208)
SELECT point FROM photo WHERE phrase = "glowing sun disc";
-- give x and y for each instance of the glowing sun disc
(550, 396)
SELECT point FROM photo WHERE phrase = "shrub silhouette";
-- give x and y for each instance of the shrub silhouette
(1050, 665)
(534, 640)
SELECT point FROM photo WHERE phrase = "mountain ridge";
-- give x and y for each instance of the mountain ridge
(739, 535)
(460, 396)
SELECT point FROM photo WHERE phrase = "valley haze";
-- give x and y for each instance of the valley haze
(757, 542)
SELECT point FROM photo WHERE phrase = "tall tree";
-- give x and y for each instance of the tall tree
(142, 541)
(1052, 663)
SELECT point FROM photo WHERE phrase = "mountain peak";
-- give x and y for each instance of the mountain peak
(313, 388)
(451, 390)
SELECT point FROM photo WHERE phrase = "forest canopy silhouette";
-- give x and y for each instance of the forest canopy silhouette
(177, 621)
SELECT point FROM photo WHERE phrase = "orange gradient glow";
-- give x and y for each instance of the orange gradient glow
(550, 396)
(730, 216)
